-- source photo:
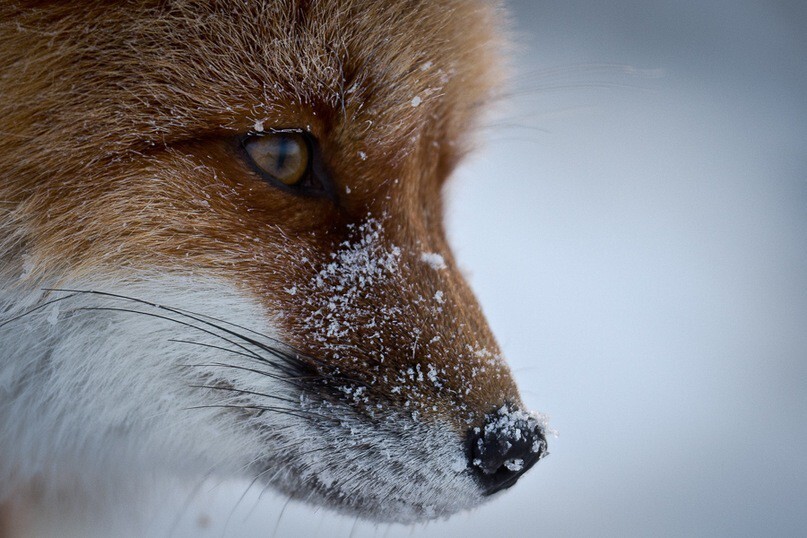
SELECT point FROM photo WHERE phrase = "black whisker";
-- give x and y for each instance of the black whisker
(294, 361)
(284, 368)
(291, 367)
(281, 410)
(242, 391)
(160, 316)
(235, 352)
(290, 379)
(39, 307)
(289, 361)
(211, 346)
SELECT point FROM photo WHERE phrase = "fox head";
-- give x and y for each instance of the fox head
(223, 251)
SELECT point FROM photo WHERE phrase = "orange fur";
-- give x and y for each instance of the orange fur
(119, 129)
(118, 152)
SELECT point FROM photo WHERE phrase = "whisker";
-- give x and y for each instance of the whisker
(256, 478)
(280, 410)
(236, 325)
(211, 346)
(260, 345)
(36, 308)
(296, 359)
(354, 527)
(289, 361)
(242, 391)
(282, 356)
(234, 508)
(183, 510)
(249, 356)
(250, 353)
(291, 380)
(280, 516)
(159, 316)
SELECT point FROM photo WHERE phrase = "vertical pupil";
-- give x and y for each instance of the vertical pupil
(282, 156)
(283, 151)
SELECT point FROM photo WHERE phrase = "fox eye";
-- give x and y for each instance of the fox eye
(289, 159)
(284, 157)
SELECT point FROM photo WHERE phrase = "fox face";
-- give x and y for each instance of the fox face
(223, 252)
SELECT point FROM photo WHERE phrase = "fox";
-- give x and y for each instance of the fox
(222, 253)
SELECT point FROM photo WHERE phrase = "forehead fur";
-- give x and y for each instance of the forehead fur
(154, 72)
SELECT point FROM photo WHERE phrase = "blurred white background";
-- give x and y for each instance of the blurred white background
(636, 230)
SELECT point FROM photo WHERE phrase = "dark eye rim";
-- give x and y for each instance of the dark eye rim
(316, 181)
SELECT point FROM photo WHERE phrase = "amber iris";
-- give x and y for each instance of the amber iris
(283, 156)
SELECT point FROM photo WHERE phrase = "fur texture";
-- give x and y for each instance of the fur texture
(330, 348)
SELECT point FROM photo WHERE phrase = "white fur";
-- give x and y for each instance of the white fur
(94, 400)
(98, 404)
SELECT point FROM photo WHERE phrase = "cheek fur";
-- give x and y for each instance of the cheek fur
(199, 358)
(117, 374)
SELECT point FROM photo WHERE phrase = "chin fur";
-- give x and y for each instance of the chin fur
(105, 385)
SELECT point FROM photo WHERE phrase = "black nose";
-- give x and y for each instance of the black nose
(510, 442)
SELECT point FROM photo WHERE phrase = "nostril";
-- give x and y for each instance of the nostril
(505, 447)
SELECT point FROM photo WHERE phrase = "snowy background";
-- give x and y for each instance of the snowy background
(636, 229)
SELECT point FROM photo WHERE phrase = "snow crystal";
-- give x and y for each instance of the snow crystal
(510, 422)
(433, 259)
(426, 66)
(353, 273)
(354, 292)
(362, 156)
(515, 464)
(416, 100)
(433, 377)
(258, 127)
